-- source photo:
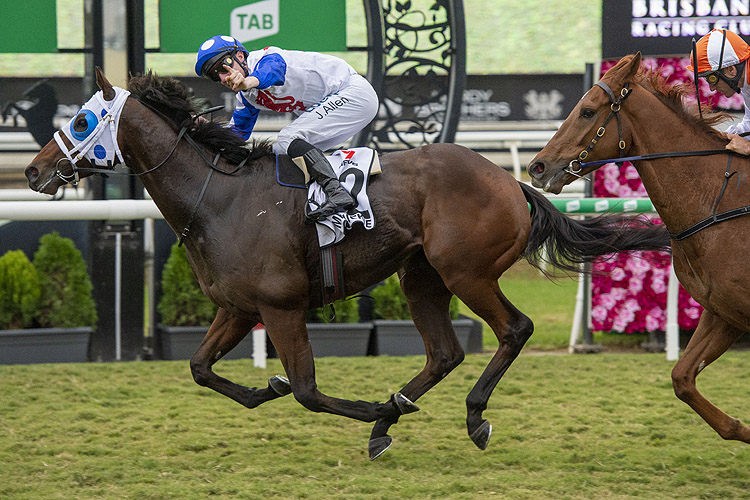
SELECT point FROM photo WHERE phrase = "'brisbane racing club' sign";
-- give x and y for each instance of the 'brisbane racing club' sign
(666, 27)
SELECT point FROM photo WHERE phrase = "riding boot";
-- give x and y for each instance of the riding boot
(337, 198)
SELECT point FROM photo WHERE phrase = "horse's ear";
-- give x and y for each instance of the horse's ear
(635, 65)
(104, 85)
(625, 69)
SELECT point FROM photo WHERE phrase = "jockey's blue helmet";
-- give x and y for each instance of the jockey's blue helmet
(213, 49)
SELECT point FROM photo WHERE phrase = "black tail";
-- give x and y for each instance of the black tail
(566, 243)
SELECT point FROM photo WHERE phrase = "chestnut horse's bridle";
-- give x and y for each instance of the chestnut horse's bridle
(615, 105)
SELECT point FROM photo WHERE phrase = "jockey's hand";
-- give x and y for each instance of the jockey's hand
(237, 81)
(738, 144)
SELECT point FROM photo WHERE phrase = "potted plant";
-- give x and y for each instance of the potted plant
(336, 331)
(186, 313)
(47, 308)
(395, 333)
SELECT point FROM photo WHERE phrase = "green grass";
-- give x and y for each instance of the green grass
(565, 427)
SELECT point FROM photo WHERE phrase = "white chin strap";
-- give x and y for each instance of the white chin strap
(100, 148)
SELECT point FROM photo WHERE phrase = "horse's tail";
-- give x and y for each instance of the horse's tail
(566, 243)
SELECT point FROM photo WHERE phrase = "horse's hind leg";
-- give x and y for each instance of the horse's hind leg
(429, 304)
(710, 340)
(512, 329)
(288, 333)
(225, 333)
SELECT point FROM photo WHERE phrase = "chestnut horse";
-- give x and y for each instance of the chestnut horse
(448, 220)
(693, 195)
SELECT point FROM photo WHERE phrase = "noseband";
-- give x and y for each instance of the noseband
(615, 103)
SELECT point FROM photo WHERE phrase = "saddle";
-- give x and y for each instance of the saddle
(354, 167)
(294, 174)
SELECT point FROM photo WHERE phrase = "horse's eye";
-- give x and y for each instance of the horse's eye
(84, 124)
(588, 113)
(81, 124)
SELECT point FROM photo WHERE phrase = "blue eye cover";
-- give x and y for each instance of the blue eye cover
(91, 120)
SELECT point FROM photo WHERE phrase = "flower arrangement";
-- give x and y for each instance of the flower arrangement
(629, 291)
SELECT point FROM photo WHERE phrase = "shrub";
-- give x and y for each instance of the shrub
(182, 302)
(19, 290)
(389, 302)
(67, 299)
(346, 311)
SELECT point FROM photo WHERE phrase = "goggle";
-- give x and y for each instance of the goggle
(218, 68)
(712, 78)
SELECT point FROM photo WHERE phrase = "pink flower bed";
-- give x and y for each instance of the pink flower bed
(629, 291)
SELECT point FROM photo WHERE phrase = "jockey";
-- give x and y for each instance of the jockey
(330, 100)
(722, 59)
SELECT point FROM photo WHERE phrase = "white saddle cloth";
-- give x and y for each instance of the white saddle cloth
(353, 168)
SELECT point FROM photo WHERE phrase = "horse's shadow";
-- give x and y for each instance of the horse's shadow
(39, 116)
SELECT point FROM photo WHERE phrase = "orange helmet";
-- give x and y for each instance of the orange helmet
(717, 50)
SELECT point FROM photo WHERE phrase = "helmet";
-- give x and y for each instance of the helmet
(214, 49)
(717, 50)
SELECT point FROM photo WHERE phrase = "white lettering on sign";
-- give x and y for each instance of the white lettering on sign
(255, 20)
(476, 105)
(687, 18)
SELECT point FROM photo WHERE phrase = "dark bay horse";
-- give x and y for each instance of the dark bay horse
(448, 220)
(710, 263)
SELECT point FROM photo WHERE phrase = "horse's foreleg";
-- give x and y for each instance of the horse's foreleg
(289, 335)
(710, 340)
(429, 303)
(512, 329)
(225, 333)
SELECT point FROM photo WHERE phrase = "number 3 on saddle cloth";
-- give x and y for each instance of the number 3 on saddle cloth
(353, 167)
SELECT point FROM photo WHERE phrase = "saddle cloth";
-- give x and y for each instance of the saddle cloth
(353, 167)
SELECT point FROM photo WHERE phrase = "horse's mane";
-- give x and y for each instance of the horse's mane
(674, 97)
(174, 103)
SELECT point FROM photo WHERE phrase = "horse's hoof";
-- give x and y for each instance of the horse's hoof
(481, 436)
(403, 404)
(378, 446)
(280, 385)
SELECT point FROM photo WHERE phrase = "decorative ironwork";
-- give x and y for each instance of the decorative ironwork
(422, 70)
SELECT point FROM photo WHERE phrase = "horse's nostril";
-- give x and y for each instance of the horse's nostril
(31, 173)
(536, 169)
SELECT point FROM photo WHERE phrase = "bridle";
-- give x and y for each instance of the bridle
(107, 123)
(615, 104)
(110, 121)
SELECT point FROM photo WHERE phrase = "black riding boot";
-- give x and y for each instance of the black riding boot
(337, 198)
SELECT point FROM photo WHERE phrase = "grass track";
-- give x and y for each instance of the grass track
(565, 427)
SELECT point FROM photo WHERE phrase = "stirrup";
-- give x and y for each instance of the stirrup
(325, 210)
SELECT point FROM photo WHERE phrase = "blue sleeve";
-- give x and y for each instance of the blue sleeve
(270, 71)
(244, 118)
